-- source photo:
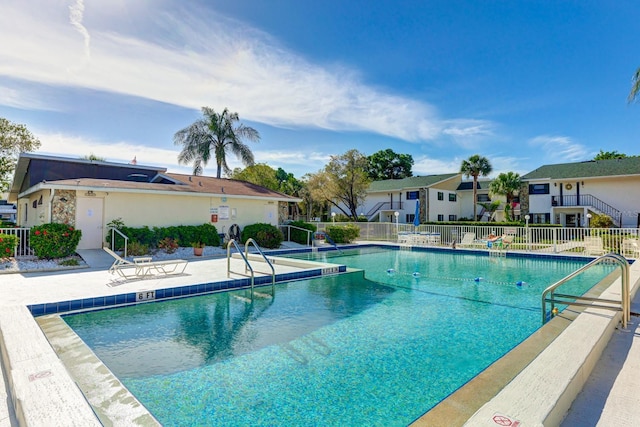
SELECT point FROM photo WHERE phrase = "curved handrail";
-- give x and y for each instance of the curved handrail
(246, 253)
(246, 261)
(625, 303)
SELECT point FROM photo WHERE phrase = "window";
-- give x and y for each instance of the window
(483, 198)
(453, 197)
(440, 195)
(540, 218)
(538, 188)
(412, 195)
(453, 217)
(409, 218)
(440, 217)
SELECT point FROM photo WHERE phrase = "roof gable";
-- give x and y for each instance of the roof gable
(587, 169)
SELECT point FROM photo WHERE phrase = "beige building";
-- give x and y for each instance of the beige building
(89, 194)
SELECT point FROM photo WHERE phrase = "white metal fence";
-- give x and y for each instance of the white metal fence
(23, 248)
(587, 241)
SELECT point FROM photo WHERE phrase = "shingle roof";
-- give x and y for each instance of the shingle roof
(587, 169)
(197, 184)
(411, 182)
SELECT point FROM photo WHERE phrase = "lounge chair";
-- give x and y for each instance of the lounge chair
(593, 245)
(469, 239)
(143, 267)
(500, 244)
(630, 248)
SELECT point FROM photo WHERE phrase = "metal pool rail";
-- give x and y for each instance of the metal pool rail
(625, 305)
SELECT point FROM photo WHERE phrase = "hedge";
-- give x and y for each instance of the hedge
(50, 241)
(266, 235)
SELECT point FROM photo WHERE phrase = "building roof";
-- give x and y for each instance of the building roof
(65, 173)
(587, 169)
(411, 182)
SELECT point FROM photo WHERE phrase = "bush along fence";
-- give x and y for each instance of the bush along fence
(50, 241)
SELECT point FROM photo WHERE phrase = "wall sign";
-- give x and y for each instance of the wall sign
(223, 213)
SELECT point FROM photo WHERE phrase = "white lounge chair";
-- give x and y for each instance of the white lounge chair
(143, 267)
(593, 245)
(630, 248)
(469, 239)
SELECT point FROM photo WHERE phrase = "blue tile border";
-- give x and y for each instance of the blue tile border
(104, 302)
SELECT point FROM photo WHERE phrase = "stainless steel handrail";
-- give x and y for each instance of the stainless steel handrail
(246, 262)
(246, 253)
(625, 304)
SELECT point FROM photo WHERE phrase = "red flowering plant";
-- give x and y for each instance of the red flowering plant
(8, 244)
(51, 241)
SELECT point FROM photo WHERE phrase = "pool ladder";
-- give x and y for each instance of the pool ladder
(248, 269)
(624, 305)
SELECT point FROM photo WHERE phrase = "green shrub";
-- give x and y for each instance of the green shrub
(601, 221)
(205, 233)
(169, 245)
(265, 235)
(8, 244)
(50, 241)
(343, 233)
(137, 249)
(69, 262)
(300, 236)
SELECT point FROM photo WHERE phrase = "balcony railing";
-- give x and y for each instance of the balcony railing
(587, 200)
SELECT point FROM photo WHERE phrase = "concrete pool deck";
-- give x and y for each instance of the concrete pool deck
(610, 394)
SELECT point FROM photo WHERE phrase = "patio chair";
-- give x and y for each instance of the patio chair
(469, 239)
(593, 245)
(630, 248)
(500, 244)
(143, 267)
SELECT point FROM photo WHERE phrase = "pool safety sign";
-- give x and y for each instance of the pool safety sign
(504, 420)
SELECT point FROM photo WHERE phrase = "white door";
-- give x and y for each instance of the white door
(89, 221)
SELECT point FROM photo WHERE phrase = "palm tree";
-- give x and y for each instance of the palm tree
(508, 185)
(214, 135)
(635, 87)
(475, 166)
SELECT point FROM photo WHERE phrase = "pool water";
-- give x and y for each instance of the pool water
(339, 350)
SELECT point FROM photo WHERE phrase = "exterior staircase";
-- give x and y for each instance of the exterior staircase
(592, 203)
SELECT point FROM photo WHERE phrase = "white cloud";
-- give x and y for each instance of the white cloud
(560, 149)
(22, 98)
(189, 61)
(429, 166)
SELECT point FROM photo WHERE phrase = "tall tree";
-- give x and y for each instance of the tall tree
(508, 185)
(342, 183)
(475, 166)
(259, 174)
(214, 135)
(635, 87)
(387, 164)
(14, 139)
(608, 155)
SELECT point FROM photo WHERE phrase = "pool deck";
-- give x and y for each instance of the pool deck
(608, 372)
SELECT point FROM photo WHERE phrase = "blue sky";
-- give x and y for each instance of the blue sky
(524, 83)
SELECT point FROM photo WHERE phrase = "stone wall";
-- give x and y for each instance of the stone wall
(63, 210)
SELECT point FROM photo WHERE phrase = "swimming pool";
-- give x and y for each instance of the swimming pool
(337, 350)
